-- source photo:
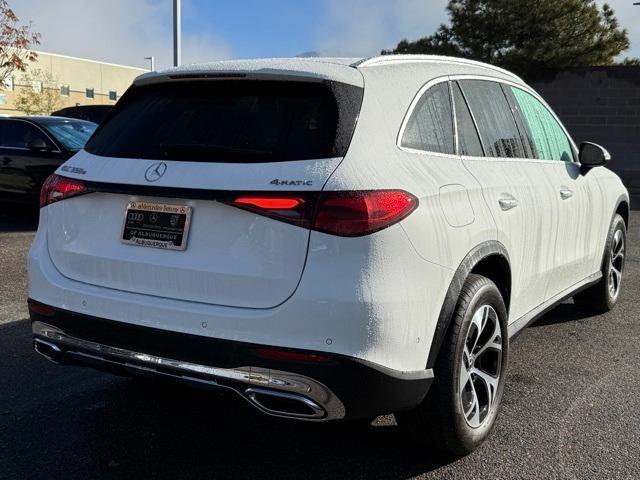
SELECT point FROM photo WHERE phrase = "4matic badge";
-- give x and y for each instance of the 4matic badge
(277, 181)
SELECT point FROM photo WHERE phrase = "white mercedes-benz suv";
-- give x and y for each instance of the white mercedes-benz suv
(328, 238)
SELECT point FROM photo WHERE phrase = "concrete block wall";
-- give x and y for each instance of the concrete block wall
(601, 105)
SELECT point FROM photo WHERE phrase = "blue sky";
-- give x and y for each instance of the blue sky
(255, 28)
(125, 31)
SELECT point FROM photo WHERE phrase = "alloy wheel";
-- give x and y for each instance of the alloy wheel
(481, 366)
(616, 262)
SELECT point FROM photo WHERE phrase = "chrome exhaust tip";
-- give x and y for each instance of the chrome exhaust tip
(284, 404)
(48, 350)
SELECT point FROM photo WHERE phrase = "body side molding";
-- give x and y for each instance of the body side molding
(523, 322)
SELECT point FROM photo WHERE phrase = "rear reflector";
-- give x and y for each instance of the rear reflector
(41, 308)
(291, 356)
(347, 214)
(56, 188)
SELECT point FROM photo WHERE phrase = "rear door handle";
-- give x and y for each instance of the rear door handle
(6, 161)
(507, 202)
(566, 193)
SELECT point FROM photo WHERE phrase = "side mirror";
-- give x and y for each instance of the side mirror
(593, 155)
(38, 144)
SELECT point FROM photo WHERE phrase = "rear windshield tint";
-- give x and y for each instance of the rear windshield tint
(231, 121)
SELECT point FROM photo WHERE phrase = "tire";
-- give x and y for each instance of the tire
(440, 422)
(603, 296)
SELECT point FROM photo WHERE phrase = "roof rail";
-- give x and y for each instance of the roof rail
(391, 59)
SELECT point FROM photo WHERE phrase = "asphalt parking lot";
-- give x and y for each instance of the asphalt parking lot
(571, 409)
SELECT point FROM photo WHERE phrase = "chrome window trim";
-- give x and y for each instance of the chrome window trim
(515, 159)
(417, 97)
(447, 78)
(33, 124)
(14, 148)
(434, 154)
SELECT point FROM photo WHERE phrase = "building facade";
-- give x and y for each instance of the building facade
(80, 81)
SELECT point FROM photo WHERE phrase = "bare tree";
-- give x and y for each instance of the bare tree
(15, 43)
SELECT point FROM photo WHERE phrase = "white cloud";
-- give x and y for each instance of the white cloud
(117, 31)
(364, 27)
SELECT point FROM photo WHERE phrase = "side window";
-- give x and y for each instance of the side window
(525, 134)
(468, 139)
(430, 127)
(550, 141)
(494, 118)
(16, 134)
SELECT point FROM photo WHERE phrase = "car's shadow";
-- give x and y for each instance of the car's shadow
(18, 220)
(209, 435)
(564, 313)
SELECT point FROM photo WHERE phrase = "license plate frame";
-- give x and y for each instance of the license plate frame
(156, 225)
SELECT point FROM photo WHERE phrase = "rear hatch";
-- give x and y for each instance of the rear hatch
(199, 158)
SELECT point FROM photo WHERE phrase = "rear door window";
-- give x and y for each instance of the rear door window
(231, 121)
(73, 134)
(548, 137)
(430, 126)
(18, 134)
(496, 124)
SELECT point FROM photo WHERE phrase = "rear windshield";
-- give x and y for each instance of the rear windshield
(231, 121)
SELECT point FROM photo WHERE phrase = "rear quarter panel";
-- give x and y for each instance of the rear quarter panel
(452, 217)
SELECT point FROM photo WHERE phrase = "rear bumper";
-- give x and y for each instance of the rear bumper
(315, 386)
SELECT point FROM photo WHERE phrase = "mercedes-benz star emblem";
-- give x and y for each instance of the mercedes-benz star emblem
(155, 171)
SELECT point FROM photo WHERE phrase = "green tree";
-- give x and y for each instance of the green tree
(39, 93)
(527, 36)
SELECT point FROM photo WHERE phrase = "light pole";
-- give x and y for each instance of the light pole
(176, 33)
(152, 60)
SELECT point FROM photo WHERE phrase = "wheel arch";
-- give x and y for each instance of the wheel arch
(623, 210)
(489, 259)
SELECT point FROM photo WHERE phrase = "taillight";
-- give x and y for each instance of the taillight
(56, 188)
(296, 209)
(347, 214)
(352, 214)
